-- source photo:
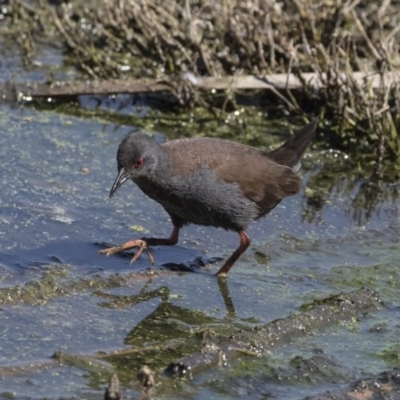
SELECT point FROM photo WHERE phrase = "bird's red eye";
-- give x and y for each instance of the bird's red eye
(138, 163)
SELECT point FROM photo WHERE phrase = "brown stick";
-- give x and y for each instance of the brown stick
(107, 87)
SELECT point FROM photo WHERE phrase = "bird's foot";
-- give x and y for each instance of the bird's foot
(140, 243)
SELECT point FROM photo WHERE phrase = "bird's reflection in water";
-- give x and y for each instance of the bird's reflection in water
(167, 320)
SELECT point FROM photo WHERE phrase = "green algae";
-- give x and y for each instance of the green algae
(56, 281)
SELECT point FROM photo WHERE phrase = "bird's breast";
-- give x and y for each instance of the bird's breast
(202, 199)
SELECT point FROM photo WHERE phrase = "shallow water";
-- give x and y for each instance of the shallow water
(56, 173)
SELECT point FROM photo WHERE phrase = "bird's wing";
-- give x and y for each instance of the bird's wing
(261, 179)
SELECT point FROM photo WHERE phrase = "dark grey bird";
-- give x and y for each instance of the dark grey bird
(211, 182)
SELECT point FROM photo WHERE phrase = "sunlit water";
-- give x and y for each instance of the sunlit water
(54, 209)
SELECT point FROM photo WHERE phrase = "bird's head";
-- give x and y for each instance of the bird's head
(137, 158)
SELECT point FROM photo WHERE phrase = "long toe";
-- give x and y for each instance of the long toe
(130, 244)
(109, 251)
(142, 244)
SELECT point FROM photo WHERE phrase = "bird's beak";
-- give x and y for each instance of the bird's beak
(121, 178)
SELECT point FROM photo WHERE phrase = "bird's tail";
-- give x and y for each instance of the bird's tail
(291, 151)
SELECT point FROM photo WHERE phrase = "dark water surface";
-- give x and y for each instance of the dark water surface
(54, 210)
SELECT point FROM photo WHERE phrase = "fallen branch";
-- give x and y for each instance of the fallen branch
(253, 342)
(315, 81)
(323, 314)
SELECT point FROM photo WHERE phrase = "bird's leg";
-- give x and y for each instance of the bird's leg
(172, 240)
(244, 244)
(143, 244)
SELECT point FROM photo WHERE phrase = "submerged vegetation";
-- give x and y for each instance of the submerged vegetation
(165, 39)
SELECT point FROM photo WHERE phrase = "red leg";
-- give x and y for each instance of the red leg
(244, 244)
(172, 240)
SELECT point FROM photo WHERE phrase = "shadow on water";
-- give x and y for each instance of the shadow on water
(80, 254)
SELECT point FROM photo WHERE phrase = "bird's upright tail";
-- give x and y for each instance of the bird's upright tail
(292, 150)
